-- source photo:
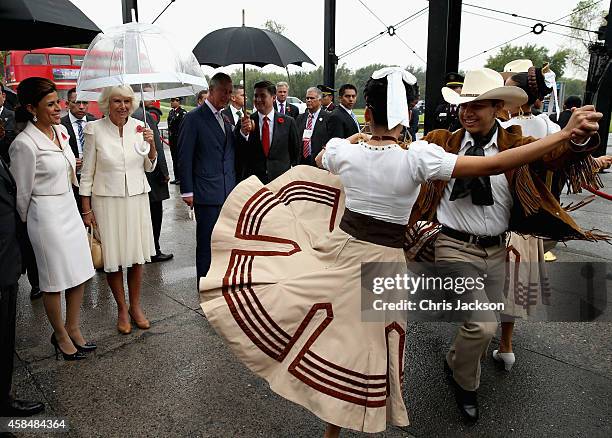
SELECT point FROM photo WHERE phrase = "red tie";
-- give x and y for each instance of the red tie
(265, 136)
(306, 143)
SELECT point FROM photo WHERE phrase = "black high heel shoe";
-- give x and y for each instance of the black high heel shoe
(74, 356)
(88, 347)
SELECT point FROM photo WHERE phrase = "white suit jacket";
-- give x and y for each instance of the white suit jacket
(40, 167)
(110, 163)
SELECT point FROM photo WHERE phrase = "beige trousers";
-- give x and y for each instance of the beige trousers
(455, 258)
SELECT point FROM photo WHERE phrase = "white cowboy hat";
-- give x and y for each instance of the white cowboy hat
(516, 66)
(485, 84)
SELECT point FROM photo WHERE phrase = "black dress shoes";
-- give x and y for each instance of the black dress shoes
(467, 401)
(20, 408)
(35, 293)
(161, 257)
(176, 181)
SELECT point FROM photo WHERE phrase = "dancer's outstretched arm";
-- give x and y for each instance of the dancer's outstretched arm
(581, 126)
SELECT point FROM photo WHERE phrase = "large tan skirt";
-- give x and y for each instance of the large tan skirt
(527, 282)
(284, 291)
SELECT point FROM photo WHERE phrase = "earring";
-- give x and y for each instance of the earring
(34, 118)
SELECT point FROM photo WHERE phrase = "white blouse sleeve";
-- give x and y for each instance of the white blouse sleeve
(551, 127)
(23, 168)
(331, 159)
(429, 161)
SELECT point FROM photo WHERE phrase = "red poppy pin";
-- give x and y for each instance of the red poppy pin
(281, 120)
(64, 136)
(140, 129)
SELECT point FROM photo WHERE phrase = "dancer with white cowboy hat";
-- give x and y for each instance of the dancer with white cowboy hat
(476, 213)
(284, 287)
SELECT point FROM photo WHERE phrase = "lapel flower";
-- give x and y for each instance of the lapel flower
(139, 129)
(281, 120)
(226, 119)
(64, 136)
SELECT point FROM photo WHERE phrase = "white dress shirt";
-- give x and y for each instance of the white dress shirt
(270, 117)
(383, 182)
(218, 115)
(480, 220)
(235, 113)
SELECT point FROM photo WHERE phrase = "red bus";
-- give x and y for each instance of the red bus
(60, 64)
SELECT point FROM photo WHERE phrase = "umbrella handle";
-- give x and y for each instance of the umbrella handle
(142, 152)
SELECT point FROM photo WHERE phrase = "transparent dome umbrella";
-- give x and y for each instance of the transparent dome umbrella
(139, 54)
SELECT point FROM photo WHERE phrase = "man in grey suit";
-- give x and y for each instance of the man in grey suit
(312, 127)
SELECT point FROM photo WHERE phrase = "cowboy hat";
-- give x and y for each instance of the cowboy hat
(485, 84)
(516, 66)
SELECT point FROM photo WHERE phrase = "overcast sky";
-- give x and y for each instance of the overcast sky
(189, 20)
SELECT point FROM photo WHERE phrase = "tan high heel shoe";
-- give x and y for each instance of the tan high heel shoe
(124, 328)
(143, 324)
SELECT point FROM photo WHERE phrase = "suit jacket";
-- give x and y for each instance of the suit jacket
(207, 157)
(73, 135)
(37, 165)
(290, 109)
(284, 149)
(320, 135)
(10, 254)
(228, 112)
(7, 118)
(341, 124)
(158, 178)
(330, 107)
(535, 210)
(110, 162)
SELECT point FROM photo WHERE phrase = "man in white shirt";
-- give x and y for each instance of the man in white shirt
(236, 106)
(280, 103)
(75, 122)
(476, 213)
(312, 127)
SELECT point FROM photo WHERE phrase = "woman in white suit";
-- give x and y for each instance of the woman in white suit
(43, 165)
(114, 195)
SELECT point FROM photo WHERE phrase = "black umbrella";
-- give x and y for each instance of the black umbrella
(248, 45)
(30, 24)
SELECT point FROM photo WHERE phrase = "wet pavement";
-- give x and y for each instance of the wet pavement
(180, 379)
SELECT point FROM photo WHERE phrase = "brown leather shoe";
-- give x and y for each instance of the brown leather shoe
(143, 324)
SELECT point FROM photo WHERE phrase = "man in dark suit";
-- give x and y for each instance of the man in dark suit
(75, 122)
(7, 126)
(207, 163)
(158, 180)
(312, 127)
(446, 115)
(175, 118)
(327, 98)
(267, 143)
(563, 117)
(343, 122)
(10, 265)
(281, 105)
(236, 106)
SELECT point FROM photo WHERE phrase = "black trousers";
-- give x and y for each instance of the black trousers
(8, 311)
(175, 158)
(157, 213)
(206, 217)
(29, 260)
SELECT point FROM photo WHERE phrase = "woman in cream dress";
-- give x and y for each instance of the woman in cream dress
(114, 194)
(44, 168)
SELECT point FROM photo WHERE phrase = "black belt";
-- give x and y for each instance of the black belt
(482, 241)
(369, 229)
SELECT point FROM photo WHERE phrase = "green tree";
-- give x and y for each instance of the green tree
(274, 26)
(573, 87)
(585, 15)
(537, 54)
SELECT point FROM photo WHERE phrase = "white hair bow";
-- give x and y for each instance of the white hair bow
(397, 106)
(551, 82)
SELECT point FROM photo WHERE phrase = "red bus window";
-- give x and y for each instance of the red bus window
(77, 59)
(59, 59)
(35, 59)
